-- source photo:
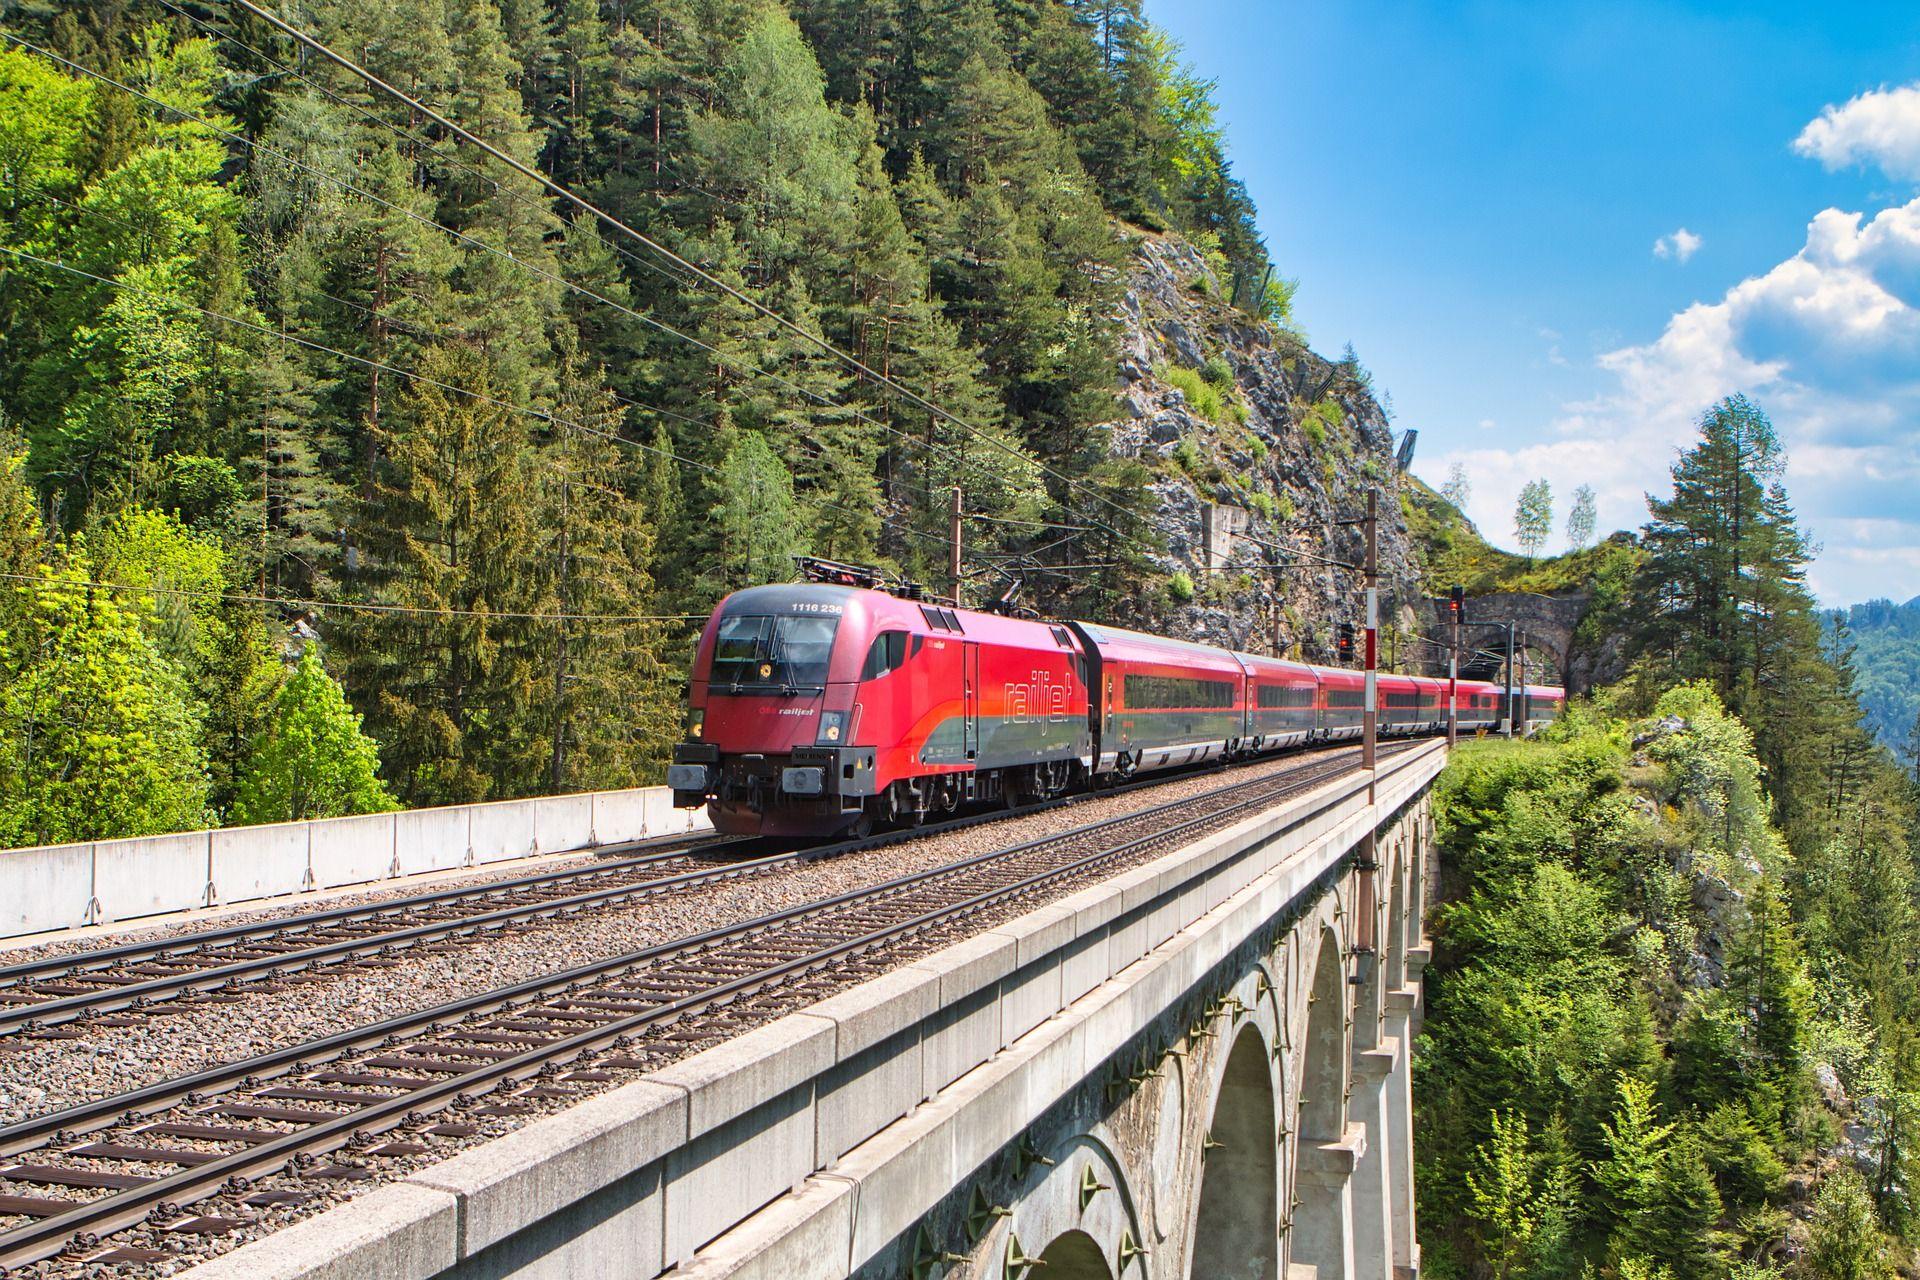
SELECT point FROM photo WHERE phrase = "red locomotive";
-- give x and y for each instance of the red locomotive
(829, 707)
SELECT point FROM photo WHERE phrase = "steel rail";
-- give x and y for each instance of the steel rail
(332, 1130)
(79, 962)
(137, 997)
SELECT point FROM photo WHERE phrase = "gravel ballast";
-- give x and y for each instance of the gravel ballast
(42, 1076)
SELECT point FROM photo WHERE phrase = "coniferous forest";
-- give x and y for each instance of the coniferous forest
(283, 363)
(343, 468)
(1674, 1004)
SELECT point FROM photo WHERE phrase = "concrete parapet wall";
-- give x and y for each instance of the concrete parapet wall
(806, 1147)
(71, 885)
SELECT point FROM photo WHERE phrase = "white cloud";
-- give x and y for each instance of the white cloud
(1880, 127)
(1679, 246)
(1828, 342)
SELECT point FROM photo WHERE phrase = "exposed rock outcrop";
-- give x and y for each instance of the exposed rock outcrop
(1293, 445)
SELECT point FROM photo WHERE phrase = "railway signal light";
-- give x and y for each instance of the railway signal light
(1343, 641)
(1457, 603)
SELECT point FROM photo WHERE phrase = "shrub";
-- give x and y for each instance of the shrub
(1209, 401)
(1217, 371)
(1322, 418)
(1180, 586)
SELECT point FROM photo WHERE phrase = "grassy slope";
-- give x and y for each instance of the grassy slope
(1456, 553)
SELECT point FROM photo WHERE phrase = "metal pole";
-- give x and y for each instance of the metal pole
(1453, 673)
(953, 550)
(1370, 723)
(1524, 709)
(1509, 681)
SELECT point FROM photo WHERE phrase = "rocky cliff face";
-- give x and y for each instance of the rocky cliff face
(1281, 444)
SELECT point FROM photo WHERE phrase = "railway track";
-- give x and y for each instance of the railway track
(61, 996)
(140, 1158)
(132, 982)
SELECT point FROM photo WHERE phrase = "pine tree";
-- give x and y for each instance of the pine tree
(1685, 1218)
(1629, 1177)
(1846, 1242)
(609, 706)
(1766, 972)
(448, 680)
(757, 518)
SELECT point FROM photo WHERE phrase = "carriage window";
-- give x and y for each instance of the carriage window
(889, 650)
(1161, 692)
(1273, 695)
(1345, 698)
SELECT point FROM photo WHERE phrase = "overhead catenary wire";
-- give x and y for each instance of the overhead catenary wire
(434, 149)
(481, 245)
(398, 371)
(563, 192)
(58, 583)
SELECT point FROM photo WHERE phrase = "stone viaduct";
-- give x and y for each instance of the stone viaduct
(1199, 1068)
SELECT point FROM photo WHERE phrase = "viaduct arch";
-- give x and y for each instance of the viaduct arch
(1264, 1130)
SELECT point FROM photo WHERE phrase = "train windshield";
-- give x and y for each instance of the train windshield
(756, 651)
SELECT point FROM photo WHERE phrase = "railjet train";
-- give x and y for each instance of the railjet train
(818, 709)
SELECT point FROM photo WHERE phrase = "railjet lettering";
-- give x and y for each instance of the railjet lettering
(1038, 701)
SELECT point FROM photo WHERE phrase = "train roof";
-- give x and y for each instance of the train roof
(868, 611)
(1139, 646)
(1259, 665)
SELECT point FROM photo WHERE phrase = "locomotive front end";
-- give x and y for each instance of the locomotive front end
(770, 716)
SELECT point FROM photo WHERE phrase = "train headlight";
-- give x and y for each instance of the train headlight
(833, 727)
(696, 721)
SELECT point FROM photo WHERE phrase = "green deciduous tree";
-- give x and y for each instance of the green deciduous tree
(310, 759)
(98, 731)
(1581, 518)
(1533, 517)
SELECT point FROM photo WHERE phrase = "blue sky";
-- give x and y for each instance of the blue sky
(1488, 201)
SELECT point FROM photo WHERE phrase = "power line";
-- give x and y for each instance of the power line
(188, 593)
(540, 272)
(587, 206)
(409, 374)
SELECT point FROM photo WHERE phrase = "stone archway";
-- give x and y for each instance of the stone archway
(1322, 1222)
(1073, 1255)
(1236, 1230)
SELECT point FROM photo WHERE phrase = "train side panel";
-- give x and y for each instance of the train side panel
(1160, 703)
(1283, 702)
